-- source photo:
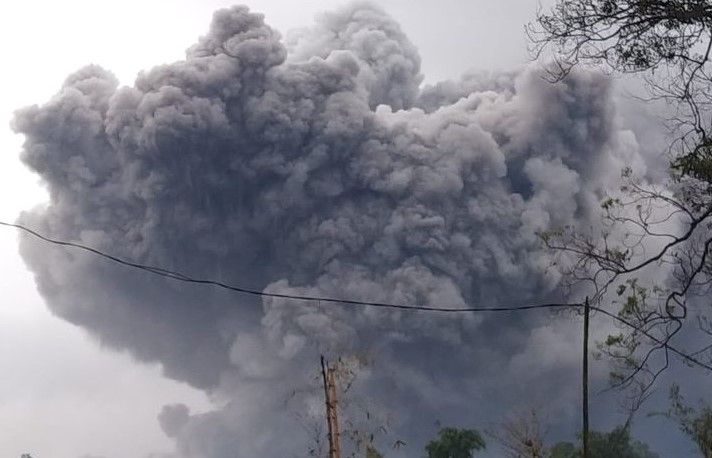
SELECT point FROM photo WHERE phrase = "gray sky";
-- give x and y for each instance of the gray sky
(61, 395)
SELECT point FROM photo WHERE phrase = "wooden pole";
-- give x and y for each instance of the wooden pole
(334, 412)
(584, 433)
(328, 377)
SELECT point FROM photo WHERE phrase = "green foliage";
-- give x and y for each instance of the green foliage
(455, 443)
(696, 424)
(635, 301)
(611, 202)
(564, 450)
(615, 444)
(668, 42)
(371, 452)
(697, 163)
(702, 427)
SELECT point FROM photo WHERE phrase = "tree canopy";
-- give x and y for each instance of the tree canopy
(669, 42)
(614, 444)
(455, 443)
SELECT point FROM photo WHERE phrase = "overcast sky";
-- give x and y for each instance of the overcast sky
(61, 396)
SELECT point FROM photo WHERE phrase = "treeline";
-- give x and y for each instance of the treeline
(466, 443)
(521, 437)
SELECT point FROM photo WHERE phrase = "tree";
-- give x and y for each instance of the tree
(521, 437)
(645, 230)
(615, 444)
(667, 41)
(361, 428)
(695, 424)
(455, 443)
(622, 263)
(564, 450)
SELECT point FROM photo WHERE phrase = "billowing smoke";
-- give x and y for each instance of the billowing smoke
(320, 165)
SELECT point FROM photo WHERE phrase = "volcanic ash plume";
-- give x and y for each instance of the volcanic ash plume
(319, 166)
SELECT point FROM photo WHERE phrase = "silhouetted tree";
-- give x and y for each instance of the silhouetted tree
(667, 41)
(615, 444)
(521, 436)
(644, 227)
(455, 443)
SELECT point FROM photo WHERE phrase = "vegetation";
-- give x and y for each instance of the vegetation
(455, 443)
(371, 452)
(696, 424)
(520, 436)
(645, 228)
(614, 444)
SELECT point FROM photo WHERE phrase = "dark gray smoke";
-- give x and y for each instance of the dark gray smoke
(320, 166)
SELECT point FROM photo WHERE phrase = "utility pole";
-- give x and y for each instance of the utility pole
(328, 375)
(584, 433)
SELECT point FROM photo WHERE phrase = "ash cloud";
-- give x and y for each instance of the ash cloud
(319, 165)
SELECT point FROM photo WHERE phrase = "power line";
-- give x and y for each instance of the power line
(178, 276)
